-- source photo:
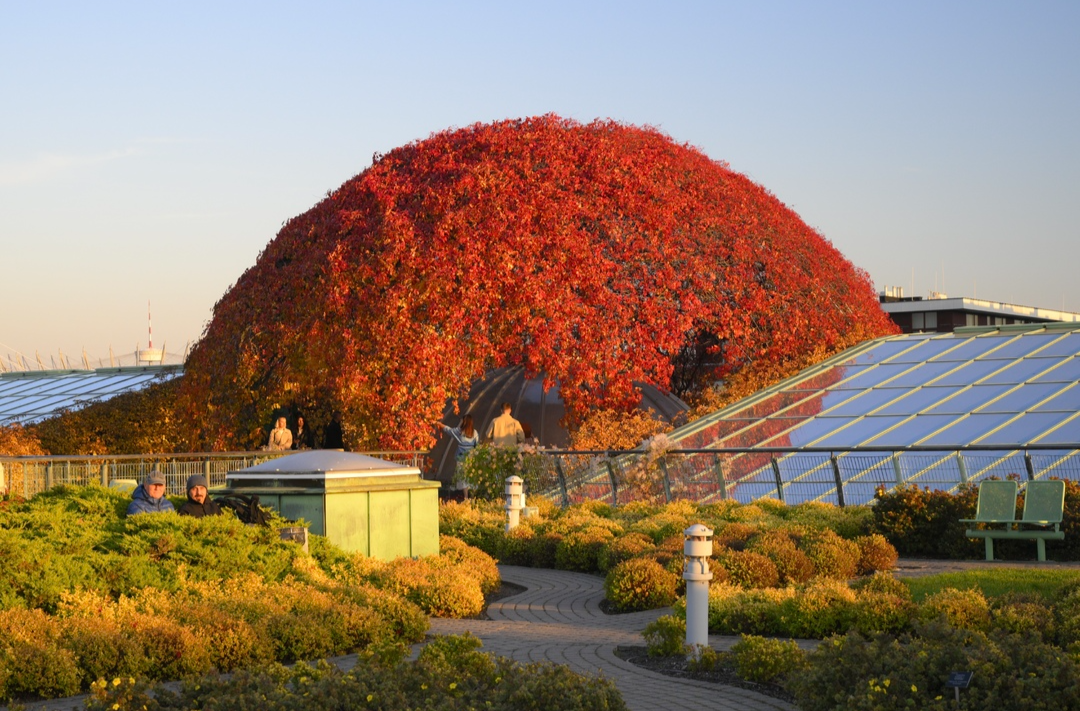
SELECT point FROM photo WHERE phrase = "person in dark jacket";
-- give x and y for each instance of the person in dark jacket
(149, 497)
(303, 437)
(198, 502)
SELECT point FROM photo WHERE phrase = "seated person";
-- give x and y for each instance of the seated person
(149, 497)
(198, 502)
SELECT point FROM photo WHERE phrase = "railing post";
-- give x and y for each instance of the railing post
(562, 482)
(48, 476)
(206, 469)
(1029, 466)
(614, 483)
(897, 469)
(718, 466)
(779, 479)
(664, 478)
(961, 465)
(839, 480)
(104, 473)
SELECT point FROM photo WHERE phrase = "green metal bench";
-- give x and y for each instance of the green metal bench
(1044, 506)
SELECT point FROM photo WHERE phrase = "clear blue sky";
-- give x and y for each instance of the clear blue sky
(151, 150)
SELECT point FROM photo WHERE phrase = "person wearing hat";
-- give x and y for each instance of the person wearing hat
(198, 502)
(149, 497)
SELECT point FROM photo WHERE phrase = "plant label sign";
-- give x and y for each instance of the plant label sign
(959, 680)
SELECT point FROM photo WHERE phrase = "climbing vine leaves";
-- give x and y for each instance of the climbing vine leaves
(591, 253)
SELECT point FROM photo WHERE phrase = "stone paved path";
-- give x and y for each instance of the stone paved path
(558, 619)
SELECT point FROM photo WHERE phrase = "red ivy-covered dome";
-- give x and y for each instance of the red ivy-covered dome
(592, 253)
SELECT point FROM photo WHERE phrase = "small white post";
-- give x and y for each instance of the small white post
(697, 548)
(515, 501)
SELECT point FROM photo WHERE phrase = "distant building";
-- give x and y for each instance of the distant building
(940, 314)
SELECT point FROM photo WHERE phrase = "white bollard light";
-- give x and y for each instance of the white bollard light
(697, 547)
(515, 501)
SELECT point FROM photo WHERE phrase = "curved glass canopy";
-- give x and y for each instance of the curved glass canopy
(1013, 386)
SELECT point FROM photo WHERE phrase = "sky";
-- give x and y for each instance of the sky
(150, 151)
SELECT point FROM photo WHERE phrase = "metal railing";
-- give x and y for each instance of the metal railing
(28, 475)
(793, 475)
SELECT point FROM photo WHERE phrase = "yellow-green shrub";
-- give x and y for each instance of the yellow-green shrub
(792, 565)
(831, 555)
(963, 609)
(627, 546)
(639, 584)
(766, 660)
(749, 569)
(580, 549)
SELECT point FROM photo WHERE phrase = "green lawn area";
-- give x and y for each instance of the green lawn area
(996, 581)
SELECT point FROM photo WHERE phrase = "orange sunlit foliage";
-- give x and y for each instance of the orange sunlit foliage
(595, 254)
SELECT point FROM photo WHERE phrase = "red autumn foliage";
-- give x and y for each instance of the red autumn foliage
(592, 253)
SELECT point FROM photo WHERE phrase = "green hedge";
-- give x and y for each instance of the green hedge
(926, 523)
(87, 592)
(450, 673)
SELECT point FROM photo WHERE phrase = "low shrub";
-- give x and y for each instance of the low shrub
(1019, 613)
(820, 608)
(627, 546)
(963, 609)
(766, 660)
(666, 636)
(516, 545)
(924, 522)
(639, 584)
(449, 673)
(580, 549)
(883, 582)
(875, 553)
(881, 612)
(470, 561)
(749, 569)
(886, 672)
(733, 610)
(792, 565)
(831, 555)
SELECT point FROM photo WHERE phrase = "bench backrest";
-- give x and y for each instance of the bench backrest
(1044, 501)
(997, 501)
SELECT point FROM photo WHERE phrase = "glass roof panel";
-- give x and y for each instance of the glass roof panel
(772, 404)
(1069, 371)
(1068, 433)
(829, 377)
(1023, 345)
(876, 376)
(967, 430)
(812, 430)
(1068, 345)
(760, 432)
(973, 348)
(886, 350)
(1029, 427)
(867, 401)
(921, 374)
(913, 430)
(971, 372)
(930, 347)
(1023, 370)
(918, 400)
(1024, 398)
(970, 399)
(1067, 401)
(821, 402)
(859, 431)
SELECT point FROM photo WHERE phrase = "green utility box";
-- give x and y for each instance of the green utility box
(361, 503)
